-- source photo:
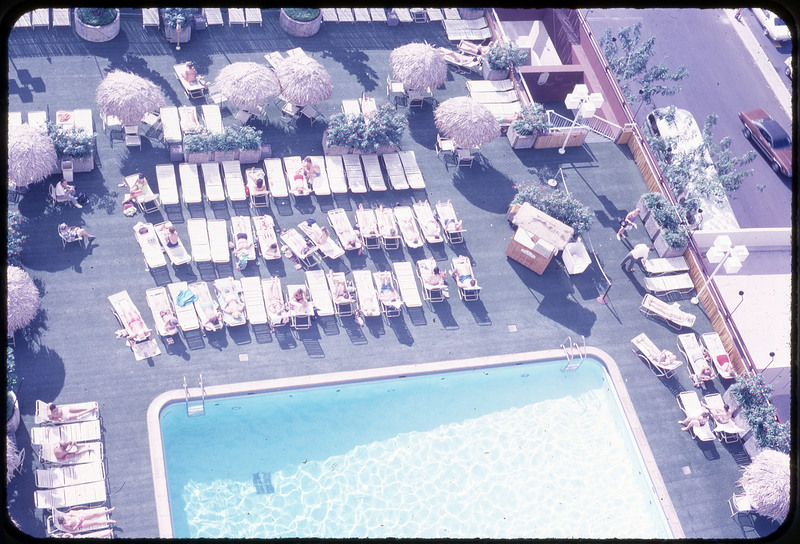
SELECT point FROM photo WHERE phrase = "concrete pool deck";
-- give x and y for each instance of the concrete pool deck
(69, 354)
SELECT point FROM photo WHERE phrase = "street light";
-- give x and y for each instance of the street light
(741, 294)
(586, 105)
(725, 253)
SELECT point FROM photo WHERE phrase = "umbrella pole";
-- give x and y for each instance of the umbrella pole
(178, 46)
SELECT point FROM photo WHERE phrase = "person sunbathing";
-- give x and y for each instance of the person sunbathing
(452, 225)
(300, 303)
(137, 189)
(69, 448)
(387, 293)
(694, 421)
(666, 358)
(703, 376)
(138, 330)
(170, 321)
(190, 74)
(435, 279)
(56, 413)
(407, 226)
(463, 275)
(300, 183)
(257, 185)
(320, 235)
(241, 250)
(341, 295)
(368, 230)
(74, 521)
(71, 234)
(431, 229)
(310, 169)
(211, 316)
(720, 414)
(170, 234)
(232, 304)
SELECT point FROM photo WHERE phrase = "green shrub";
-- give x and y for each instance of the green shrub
(96, 16)
(532, 118)
(197, 142)
(249, 138)
(302, 15)
(173, 17)
(384, 128)
(12, 380)
(71, 142)
(755, 398)
(502, 56)
(556, 203)
(16, 238)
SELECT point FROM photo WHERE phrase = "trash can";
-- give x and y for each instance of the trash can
(391, 19)
(67, 170)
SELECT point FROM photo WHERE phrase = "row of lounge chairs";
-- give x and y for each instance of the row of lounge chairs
(667, 275)
(724, 430)
(664, 363)
(42, 18)
(178, 121)
(404, 15)
(213, 16)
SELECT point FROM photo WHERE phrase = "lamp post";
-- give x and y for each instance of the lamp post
(726, 254)
(586, 105)
(741, 294)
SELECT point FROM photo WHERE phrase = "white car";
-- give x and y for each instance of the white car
(774, 27)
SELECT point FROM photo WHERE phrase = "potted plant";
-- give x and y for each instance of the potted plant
(500, 58)
(225, 146)
(384, 130)
(300, 22)
(96, 24)
(73, 145)
(173, 18)
(12, 406)
(532, 122)
(556, 203)
(16, 237)
(647, 202)
(249, 143)
(753, 397)
(197, 147)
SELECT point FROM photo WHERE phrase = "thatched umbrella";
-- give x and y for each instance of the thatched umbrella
(466, 121)
(303, 80)
(419, 66)
(14, 457)
(23, 299)
(246, 85)
(766, 483)
(31, 155)
(128, 97)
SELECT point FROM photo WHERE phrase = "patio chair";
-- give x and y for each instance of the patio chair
(368, 303)
(102, 533)
(451, 13)
(71, 495)
(361, 15)
(147, 201)
(373, 172)
(204, 302)
(38, 118)
(411, 169)
(741, 505)
(189, 121)
(408, 226)
(212, 117)
(80, 431)
(671, 283)
(300, 311)
(463, 157)
(345, 15)
(152, 124)
(368, 229)
(355, 174)
(348, 236)
(150, 17)
(662, 366)
(267, 237)
(277, 311)
(259, 197)
(236, 16)
(69, 236)
(452, 227)
(334, 168)
(434, 14)
(96, 522)
(726, 429)
(418, 15)
(230, 297)
(254, 300)
(427, 222)
(218, 241)
(234, 182)
(242, 229)
(671, 313)
(213, 16)
(212, 179)
(388, 294)
(252, 16)
(319, 292)
(719, 355)
(343, 301)
(162, 312)
(132, 138)
(430, 292)
(404, 273)
(298, 185)
(305, 251)
(112, 126)
(321, 238)
(368, 105)
(138, 334)
(468, 288)
(151, 248)
(388, 228)
(171, 124)
(689, 402)
(182, 306)
(668, 265)
(61, 17)
(319, 182)
(198, 238)
(167, 184)
(276, 179)
(49, 478)
(177, 254)
(495, 97)
(274, 58)
(92, 452)
(85, 411)
(699, 368)
(329, 15)
(190, 183)
(395, 171)
(445, 146)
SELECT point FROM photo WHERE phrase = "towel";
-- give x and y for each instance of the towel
(185, 297)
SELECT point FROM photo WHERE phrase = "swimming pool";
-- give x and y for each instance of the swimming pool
(500, 448)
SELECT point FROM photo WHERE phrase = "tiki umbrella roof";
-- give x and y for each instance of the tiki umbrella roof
(13, 457)
(128, 97)
(419, 66)
(31, 155)
(466, 121)
(303, 80)
(23, 299)
(766, 483)
(246, 85)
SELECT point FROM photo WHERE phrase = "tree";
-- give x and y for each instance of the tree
(629, 62)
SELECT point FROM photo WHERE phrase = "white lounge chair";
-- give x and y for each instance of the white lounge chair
(236, 16)
(727, 431)
(430, 291)
(198, 238)
(321, 238)
(193, 89)
(274, 58)
(213, 16)
(138, 334)
(38, 118)
(298, 184)
(277, 311)
(171, 125)
(348, 236)
(267, 237)
(329, 15)
(388, 228)
(61, 17)
(234, 182)
(345, 15)
(719, 355)
(212, 117)
(468, 288)
(92, 452)
(307, 252)
(667, 265)
(320, 295)
(259, 196)
(276, 179)
(334, 168)
(485, 85)
(689, 402)
(49, 478)
(394, 169)
(355, 174)
(699, 368)
(241, 227)
(388, 294)
(671, 283)
(452, 227)
(186, 314)
(368, 302)
(97, 522)
(254, 300)
(403, 15)
(152, 251)
(229, 289)
(189, 120)
(148, 201)
(319, 183)
(377, 14)
(81, 431)
(427, 222)
(367, 223)
(212, 179)
(163, 314)
(495, 97)
(150, 17)
(206, 301)
(42, 413)
(252, 16)
(71, 495)
(373, 173)
(218, 240)
(177, 254)
(300, 312)
(343, 301)
(361, 15)
(647, 350)
(404, 272)
(411, 169)
(671, 313)
(190, 183)
(167, 184)
(408, 226)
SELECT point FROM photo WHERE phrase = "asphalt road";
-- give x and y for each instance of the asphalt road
(723, 79)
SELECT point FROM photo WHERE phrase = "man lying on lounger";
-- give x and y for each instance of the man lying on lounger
(69, 448)
(387, 292)
(56, 413)
(463, 276)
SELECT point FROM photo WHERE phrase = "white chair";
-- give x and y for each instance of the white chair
(411, 169)
(740, 505)
(150, 17)
(388, 228)
(167, 184)
(236, 16)
(276, 178)
(186, 314)
(132, 138)
(463, 157)
(689, 402)
(389, 296)
(61, 17)
(404, 272)
(71, 495)
(212, 179)
(394, 169)
(367, 295)
(218, 240)
(49, 478)
(373, 172)
(198, 238)
(334, 168)
(252, 16)
(408, 226)
(190, 183)
(354, 173)
(213, 16)
(320, 294)
(254, 300)
(234, 182)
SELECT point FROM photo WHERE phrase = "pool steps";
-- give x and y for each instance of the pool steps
(196, 409)
(571, 351)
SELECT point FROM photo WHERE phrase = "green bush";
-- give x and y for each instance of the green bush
(502, 56)
(173, 17)
(16, 238)
(532, 118)
(302, 15)
(556, 203)
(384, 128)
(197, 142)
(71, 142)
(12, 380)
(96, 16)
(755, 398)
(249, 138)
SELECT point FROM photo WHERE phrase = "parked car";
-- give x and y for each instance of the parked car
(774, 26)
(768, 135)
(788, 70)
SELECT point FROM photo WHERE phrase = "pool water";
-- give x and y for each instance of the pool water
(510, 451)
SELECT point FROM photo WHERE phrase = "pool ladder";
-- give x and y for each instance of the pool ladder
(197, 409)
(571, 350)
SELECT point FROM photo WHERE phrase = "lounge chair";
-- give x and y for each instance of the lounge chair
(699, 368)
(198, 238)
(408, 226)
(42, 414)
(484, 85)
(92, 453)
(368, 229)
(71, 495)
(355, 174)
(671, 283)
(689, 402)
(41, 17)
(213, 16)
(671, 313)
(97, 521)
(190, 183)
(242, 229)
(300, 312)
(167, 184)
(321, 238)
(252, 16)
(38, 118)
(373, 173)
(462, 62)
(434, 14)
(81, 431)
(193, 89)
(727, 431)
(102, 533)
(343, 301)
(394, 169)
(49, 478)
(361, 15)
(368, 302)
(204, 303)
(411, 169)
(212, 117)
(61, 17)
(151, 249)
(647, 350)
(254, 300)
(377, 14)
(388, 294)
(504, 112)
(274, 58)
(351, 107)
(403, 15)
(147, 202)
(259, 197)
(418, 15)
(495, 97)
(231, 299)
(307, 252)
(276, 178)
(177, 254)
(404, 273)
(150, 17)
(163, 314)
(298, 184)
(329, 15)
(218, 240)
(388, 228)
(334, 168)
(427, 222)
(234, 182)
(182, 306)
(277, 311)
(345, 15)
(319, 182)
(212, 179)
(320, 295)
(236, 16)
(171, 125)
(348, 236)
(430, 292)
(129, 316)
(666, 265)
(468, 288)
(452, 227)
(719, 355)
(267, 237)
(190, 122)
(368, 105)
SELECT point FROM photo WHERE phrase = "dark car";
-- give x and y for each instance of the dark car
(768, 135)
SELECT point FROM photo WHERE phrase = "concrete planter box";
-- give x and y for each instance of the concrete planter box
(96, 34)
(172, 35)
(79, 164)
(197, 157)
(665, 250)
(521, 141)
(249, 156)
(644, 211)
(219, 156)
(651, 226)
(12, 423)
(387, 149)
(490, 74)
(301, 29)
(332, 149)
